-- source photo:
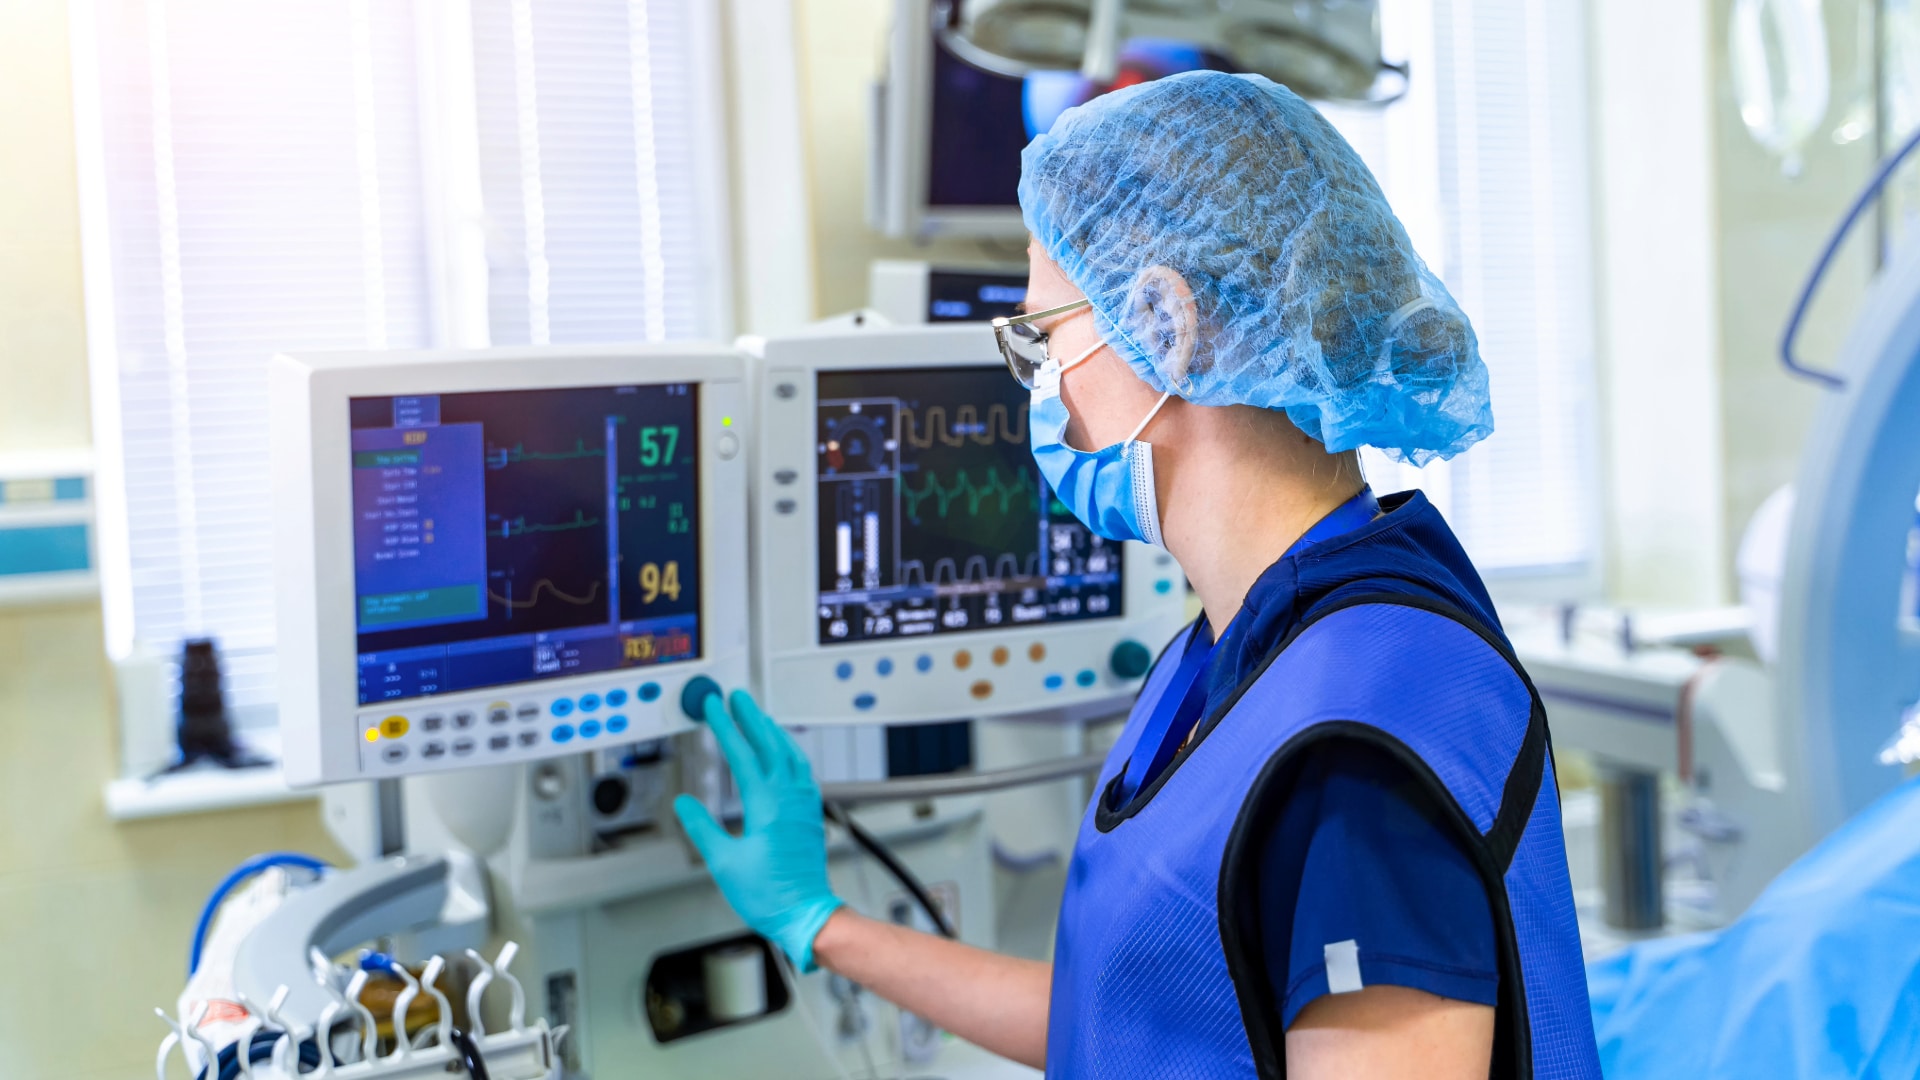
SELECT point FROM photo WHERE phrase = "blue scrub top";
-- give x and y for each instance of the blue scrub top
(1359, 852)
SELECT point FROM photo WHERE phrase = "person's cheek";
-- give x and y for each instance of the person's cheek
(1076, 433)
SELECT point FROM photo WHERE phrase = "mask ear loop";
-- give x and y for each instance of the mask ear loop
(1133, 438)
(1078, 360)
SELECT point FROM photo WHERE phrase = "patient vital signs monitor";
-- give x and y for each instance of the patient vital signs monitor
(910, 562)
(487, 557)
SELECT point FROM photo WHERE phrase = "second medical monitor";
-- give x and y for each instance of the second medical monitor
(910, 562)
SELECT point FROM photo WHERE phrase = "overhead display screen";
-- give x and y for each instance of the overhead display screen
(933, 518)
(513, 536)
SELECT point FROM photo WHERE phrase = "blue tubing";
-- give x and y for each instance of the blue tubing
(232, 881)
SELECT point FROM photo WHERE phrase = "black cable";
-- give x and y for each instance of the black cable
(463, 1045)
(885, 858)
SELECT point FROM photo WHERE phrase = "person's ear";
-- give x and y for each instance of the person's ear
(1162, 318)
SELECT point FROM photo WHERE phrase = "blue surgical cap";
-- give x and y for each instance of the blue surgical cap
(1307, 293)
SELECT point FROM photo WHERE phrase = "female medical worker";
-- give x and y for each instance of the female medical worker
(1327, 842)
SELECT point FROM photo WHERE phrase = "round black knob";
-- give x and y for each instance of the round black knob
(609, 795)
(1130, 660)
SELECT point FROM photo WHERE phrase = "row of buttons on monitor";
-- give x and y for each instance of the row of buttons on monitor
(1129, 660)
(589, 728)
(463, 746)
(395, 727)
(962, 660)
(983, 689)
(614, 699)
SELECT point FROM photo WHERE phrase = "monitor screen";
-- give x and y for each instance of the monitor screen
(513, 536)
(933, 518)
(981, 121)
(974, 295)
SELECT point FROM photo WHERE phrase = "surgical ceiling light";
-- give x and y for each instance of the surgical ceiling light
(1321, 49)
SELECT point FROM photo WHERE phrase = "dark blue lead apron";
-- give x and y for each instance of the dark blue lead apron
(1386, 637)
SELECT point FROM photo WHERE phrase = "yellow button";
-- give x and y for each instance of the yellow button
(1000, 655)
(393, 726)
(981, 689)
(1036, 652)
(963, 659)
(373, 734)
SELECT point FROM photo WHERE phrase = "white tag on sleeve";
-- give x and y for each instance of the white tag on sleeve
(1343, 967)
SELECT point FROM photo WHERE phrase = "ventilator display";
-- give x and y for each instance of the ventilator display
(933, 517)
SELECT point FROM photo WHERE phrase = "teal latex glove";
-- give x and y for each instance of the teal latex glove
(774, 873)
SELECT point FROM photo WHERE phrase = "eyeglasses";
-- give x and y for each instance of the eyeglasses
(1025, 347)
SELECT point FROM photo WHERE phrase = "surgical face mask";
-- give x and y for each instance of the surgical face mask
(1109, 490)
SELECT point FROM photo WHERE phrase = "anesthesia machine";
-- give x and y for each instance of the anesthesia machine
(509, 579)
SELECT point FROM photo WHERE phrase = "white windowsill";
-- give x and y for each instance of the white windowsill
(204, 788)
(197, 792)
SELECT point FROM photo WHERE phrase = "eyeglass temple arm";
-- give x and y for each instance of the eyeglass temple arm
(1032, 316)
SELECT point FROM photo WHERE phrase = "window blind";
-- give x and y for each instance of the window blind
(262, 189)
(591, 132)
(262, 193)
(1486, 163)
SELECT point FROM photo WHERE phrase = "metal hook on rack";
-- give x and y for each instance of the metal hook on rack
(517, 1015)
(176, 1037)
(210, 1053)
(323, 1032)
(243, 1043)
(286, 1049)
(476, 1026)
(369, 1027)
(429, 977)
(402, 1004)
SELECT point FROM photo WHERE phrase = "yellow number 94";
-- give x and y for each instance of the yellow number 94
(656, 580)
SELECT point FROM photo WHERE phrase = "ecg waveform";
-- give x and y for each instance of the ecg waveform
(545, 585)
(965, 425)
(501, 457)
(518, 526)
(975, 494)
(947, 572)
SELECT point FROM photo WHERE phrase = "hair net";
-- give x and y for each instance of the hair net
(1307, 294)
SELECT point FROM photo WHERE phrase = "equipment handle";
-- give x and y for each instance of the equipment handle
(1860, 204)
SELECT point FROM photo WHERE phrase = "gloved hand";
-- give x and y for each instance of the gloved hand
(774, 873)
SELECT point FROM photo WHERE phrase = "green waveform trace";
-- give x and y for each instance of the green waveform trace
(518, 453)
(518, 525)
(975, 494)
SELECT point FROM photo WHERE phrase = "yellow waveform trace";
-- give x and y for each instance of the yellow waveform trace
(1000, 426)
(547, 584)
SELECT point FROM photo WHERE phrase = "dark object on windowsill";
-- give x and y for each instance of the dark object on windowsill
(205, 732)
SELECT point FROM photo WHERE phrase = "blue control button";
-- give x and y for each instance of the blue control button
(923, 663)
(863, 702)
(1086, 677)
(563, 707)
(589, 702)
(563, 733)
(884, 667)
(616, 724)
(843, 670)
(589, 728)
(616, 698)
(1163, 586)
(650, 691)
(1055, 682)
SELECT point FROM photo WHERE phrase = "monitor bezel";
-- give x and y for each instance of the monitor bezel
(785, 593)
(317, 632)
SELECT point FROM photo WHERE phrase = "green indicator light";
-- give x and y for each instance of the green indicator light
(726, 421)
